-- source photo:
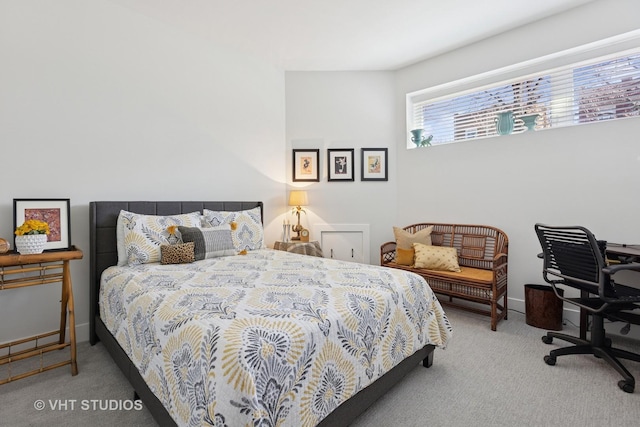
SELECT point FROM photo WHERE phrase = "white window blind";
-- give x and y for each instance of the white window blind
(604, 88)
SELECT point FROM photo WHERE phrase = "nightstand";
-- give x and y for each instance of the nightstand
(18, 271)
(304, 248)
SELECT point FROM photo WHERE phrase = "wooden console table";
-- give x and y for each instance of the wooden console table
(18, 271)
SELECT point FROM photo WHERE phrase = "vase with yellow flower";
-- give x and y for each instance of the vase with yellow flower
(31, 236)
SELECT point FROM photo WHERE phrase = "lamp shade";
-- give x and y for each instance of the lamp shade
(298, 198)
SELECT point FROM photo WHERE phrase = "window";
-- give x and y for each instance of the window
(607, 90)
(604, 88)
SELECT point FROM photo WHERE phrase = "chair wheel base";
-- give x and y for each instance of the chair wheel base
(550, 360)
(547, 340)
(626, 386)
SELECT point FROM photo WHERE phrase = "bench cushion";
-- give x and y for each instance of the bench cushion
(475, 275)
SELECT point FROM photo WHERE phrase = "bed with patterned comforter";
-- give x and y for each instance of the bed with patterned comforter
(269, 338)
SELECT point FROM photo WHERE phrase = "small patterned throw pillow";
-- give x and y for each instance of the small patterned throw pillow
(209, 242)
(181, 253)
(248, 235)
(436, 257)
(405, 240)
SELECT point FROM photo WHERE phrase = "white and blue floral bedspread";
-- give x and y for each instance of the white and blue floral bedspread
(269, 338)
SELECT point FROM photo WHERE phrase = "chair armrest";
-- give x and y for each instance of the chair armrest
(500, 261)
(613, 269)
(498, 256)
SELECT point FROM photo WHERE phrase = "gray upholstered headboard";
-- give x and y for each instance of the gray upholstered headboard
(103, 251)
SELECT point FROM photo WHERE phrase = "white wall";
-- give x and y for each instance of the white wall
(113, 105)
(345, 110)
(584, 175)
(580, 175)
(100, 103)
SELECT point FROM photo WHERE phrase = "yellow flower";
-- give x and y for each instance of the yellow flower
(234, 225)
(32, 226)
(172, 229)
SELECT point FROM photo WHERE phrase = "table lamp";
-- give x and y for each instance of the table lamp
(297, 199)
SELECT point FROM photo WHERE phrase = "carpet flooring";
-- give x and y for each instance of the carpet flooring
(482, 378)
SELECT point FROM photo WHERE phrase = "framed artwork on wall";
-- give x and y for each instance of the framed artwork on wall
(374, 164)
(55, 212)
(340, 164)
(306, 165)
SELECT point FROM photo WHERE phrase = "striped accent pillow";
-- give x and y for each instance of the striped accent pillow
(248, 235)
(209, 242)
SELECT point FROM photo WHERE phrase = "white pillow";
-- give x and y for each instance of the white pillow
(249, 234)
(142, 235)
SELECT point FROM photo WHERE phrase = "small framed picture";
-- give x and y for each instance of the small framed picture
(340, 163)
(55, 212)
(374, 164)
(306, 165)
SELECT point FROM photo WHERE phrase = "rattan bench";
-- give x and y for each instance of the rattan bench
(482, 256)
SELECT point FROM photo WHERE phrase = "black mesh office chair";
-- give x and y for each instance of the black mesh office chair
(574, 258)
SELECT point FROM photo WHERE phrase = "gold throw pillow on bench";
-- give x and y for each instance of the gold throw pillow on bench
(436, 257)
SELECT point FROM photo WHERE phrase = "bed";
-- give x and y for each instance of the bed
(259, 337)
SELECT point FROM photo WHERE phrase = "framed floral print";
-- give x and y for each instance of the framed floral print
(55, 212)
(374, 164)
(340, 163)
(306, 165)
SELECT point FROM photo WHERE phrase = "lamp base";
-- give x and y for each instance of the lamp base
(297, 228)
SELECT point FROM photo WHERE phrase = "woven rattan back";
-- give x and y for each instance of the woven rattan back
(477, 245)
